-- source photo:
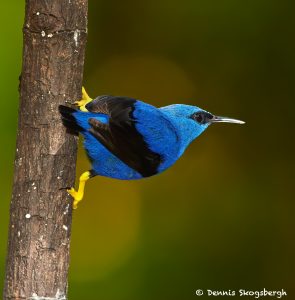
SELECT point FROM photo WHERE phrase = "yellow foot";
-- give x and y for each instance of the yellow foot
(77, 197)
(85, 99)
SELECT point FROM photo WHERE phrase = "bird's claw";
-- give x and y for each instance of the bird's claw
(64, 188)
(80, 103)
(76, 195)
(83, 102)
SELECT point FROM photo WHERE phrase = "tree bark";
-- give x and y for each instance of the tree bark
(37, 264)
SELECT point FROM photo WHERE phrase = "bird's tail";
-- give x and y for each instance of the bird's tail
(68, 118)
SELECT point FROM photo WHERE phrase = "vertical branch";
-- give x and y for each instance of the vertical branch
(40, 216)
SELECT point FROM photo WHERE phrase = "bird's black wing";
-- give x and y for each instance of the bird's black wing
(120, 136)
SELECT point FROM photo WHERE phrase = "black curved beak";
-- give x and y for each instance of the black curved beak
(218, 119)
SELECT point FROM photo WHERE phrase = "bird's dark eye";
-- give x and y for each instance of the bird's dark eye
(202, 117)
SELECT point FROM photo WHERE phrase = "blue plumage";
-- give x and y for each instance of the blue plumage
(128, 139)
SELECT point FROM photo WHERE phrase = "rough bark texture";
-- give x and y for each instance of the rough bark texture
(40, 221)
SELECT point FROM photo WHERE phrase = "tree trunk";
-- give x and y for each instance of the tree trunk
(40, 216)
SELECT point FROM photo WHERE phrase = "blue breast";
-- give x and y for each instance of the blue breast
(159, 133)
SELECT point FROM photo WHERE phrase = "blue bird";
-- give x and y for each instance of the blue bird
(127, 139)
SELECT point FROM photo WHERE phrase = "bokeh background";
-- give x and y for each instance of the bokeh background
(223, 216)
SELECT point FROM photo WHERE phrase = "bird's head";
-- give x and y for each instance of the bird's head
(191, 121)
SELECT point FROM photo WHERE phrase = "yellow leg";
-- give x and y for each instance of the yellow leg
(85, 99)
(78, 195)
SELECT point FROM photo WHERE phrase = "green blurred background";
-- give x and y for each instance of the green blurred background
(223, 216)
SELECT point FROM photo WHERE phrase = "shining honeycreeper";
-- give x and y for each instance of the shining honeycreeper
(125, 138)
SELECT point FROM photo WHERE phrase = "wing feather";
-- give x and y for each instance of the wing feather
(120, 135)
